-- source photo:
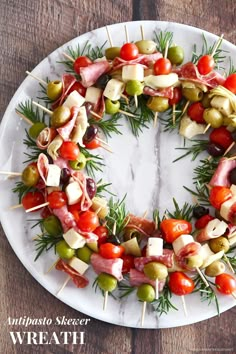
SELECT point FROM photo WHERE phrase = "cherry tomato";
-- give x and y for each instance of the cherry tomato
(88, 221)
(205, 64)
(93, 144)
(162, 66)
(69, 150)
(75, 210)
(230, 83)
(203, 221)
(180, 284)
(108, 250)
(222, 137)
(225, 283)
(173, 228)
(57, 199)
(177, 95)
(195, 112)
(32, 199)
(81, 62)
(219, 195)
(79, 88)
(102, 233)
(128, 262)
(129, 51)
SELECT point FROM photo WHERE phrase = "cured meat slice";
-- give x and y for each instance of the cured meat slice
(67, 128)
(42, 166)
(166, 259)
(138, 278)
(79, 280)
(68, 81)
(86, 202)
(215, 228)
(109, 266)
(62, 163)
(221, 175)
(45, 137)
(144, 226)
(149, 59)
(91, 73)
(189, 250)
(66, 218)
(90, 236)
(166, 92)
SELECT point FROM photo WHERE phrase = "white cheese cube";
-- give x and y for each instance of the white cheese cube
(114, 89)
(226, 206)
(73, 192)
(74, 99)
(74, 239)
(222, 104)
(233, 189)
(161, 81)
(189, 128)
(100, 206)
(132, 72)
(154, 246)
(93, 94)
(78, 265)
(214, 257)
(53, 176)
(182, 241)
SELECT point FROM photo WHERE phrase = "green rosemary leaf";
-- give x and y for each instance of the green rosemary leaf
(196, 148)
(184, 213)
(205, 170)
(167, 119)
(232, 260)
(102, 188)
(206, 292)
(163, 303)
(117, 215)
(28, 110)
(201, 193)
(94, 162)
(21, 189)
(161, 39)
(232, 68)
(107, 126)
(31, 144)
(44, 243)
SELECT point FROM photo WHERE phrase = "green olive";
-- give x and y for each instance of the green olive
(213, 117)
(219, 244)
(194, 261)
(130, 233)
(146, 46)
(158, 104)
(52, 225)
(176, 55)
(30, 176)
(215, 269)
(227, 121)
(155, 270)
(146, 293)
(35, 129)
(60, 116)
(84, 253)
(106, 282)
(111, 107)
(206, 100)
(192, 94)
(54, 90)
(134, 87)
(78, 164)
(64, 250)
(112, 52)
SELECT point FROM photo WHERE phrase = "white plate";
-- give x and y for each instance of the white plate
(133, 169)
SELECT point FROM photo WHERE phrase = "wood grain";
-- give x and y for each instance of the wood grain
(29, 31)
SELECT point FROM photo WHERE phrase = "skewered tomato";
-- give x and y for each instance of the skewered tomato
(102, 233)
(225, 283)
(110, 251)
(180, 284)
(129, 51)
(230, 83)
(195, 112)
(81, 62)
(88, 221)
(32, 199)
(69, 150)
(203, 221)
(173, 228)
(162, 66)
(219, 195)
(79, 88)
(93, 144)
(128, 263)
(57, 199)
(222, 137)
(75, 209)
(177, 95)
(205, 64)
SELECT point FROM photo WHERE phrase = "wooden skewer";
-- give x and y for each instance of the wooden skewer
(142, 32)
(184, 305)
(206, 129)
(234, 295)
(105, 300)
(114, 228)
(228, 264)
(43, 108)
(24, 118)
(16, 206)
(102, 141)
(37, 207)
(52, 266)
(98, 210)
(145, 214)
(126, 34)
(173, 113)
(109, 36)
(229, 148)
(105, 147)
(217, 44)
(143, 313)
(10, 173)
(166, 49)
(63, 286)
(95, 114)
(136, 101)
(155, 119)
(38, 236)
(156, 289)
(37, 78)
(127, 113)
(185, 108)
(125, 97)
(202, 277)
(68, 57)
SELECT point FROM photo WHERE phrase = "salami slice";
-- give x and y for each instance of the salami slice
(66, 218)
(109, 266)
(166, 92)
(79, 280)
(42, 166)
(142, 225)
(138, 278)
(68, 81)
(189, 250)
(166, 259)
(221, 174)
(91, 73)
(67, 128)
(215, 228)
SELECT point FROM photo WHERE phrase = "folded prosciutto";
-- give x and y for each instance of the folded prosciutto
(109, 266)
(144, 226)
(138, 278)
(215, 228)
(221, 175)
(91, 73)
(68, 81)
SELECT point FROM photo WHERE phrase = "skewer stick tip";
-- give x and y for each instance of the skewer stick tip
(63, 286)
(143, 313)
(184, 306)
(105, 301)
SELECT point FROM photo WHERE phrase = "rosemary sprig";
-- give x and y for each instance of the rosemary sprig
(117, 215)
(156, 218)
(166, 117)
(232, 68)
(107, 126)
(201, 193)
(31, 112)
(205, 170)
(124, 288)
(94, 162)
(31, 144)
(44, 243)
(197, 147)
(21, 189)
(184, 213)
(161, 39)
(206, 292)
(232, 260)
(102, 187)
(163, 303)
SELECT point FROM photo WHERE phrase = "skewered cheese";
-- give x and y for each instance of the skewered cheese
(73, 192)
(53, 176)
(132, 72)
(114, 89)
(182, 241)
(189, 128)
(93, 94)
(74, 99)
(78, 265)
(74, 239)
(154, 246)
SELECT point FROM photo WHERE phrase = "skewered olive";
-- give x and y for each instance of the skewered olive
(30, 176)
(194, 261)
(78, 164)
(54, 90)
(146, 46)
(158, 104)
(35, 129)
(219, 244)
(89, 107)
(227, 121)
(199, 211)
(134, 87)
(176, 55)
(215, 269)
(192, 94)
(111, 107)
(206, 100)
(213, 117)
(131, 233)
(84, 253)
(60, 116)
(112, 52)
(106, 282)
(102, 81)
(232, 176)
(215, 149)
(64, 250)
(52, 225)
(65, 175)
(155, 270)
(90, 133)
(146, 293)
(91, 187)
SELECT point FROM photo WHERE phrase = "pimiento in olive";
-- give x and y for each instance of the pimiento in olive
(199, 211)
(215, 149)
(30, 176)
(106, 282)
(232, 176)
(146, 293)
(176, 55)
(111, 107)
(52, 225)
(36, 129)
(102, 81)
(91, 187)
(64, 250)
(78, 164)
(54, 90)
(90, 133)
(192, 94)
(65, 175)
(158, 104)
(60, 116)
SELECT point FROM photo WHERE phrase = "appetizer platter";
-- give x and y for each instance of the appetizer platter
(118, 174)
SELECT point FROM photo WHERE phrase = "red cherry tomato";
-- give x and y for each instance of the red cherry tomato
(108, 250)
(129, 51)
(69, 150)
(75, 210)
(225, 283)
(102, 233)
(219, 195)
(177, 95)
(88, 221)
(203, 221)
(128, 262)
(195, 112)
(93, 144)
(81, 62)
(205, 64)
(32, 199)
(162, 66)
(180, 284)
(173, 228)
(222, 137)
(230, 83)
(57, 199)
(79, 88)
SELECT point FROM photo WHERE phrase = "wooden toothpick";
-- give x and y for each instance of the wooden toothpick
(63, 286)
(37, 207)
(109, 36)
(184, 305)
(105, 300)
(228, 264)
(156, 289)
(202, 277)
(229, 148)
(206, 129)
(52, 266)
(43, 108)
(143, 313)
(142, 32)
(37, 78)
(68, 57)
(155, 119)
(24, 118)
(10, 173)
(126, 34)
(16, 206)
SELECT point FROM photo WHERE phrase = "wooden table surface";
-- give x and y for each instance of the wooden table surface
(29, 31)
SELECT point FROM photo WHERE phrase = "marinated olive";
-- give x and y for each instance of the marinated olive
(158, 104)
(106, 282)
(213, 117)
(215, 149)
(91, 187)
(134, 87)
(78, 164)
(146, 46)
(227, 121)
(194, 261)
(65, 175)
(54, 90)
(30, 176)
(90, 133)
(112, 107)
(112, 52)
(206, 100)
(131, 233)
(176, 55)
(84, 253)
(219, 244)
(199, 211)
(155, 270)
(60, 116)
(232, 176)
(88, 107)
(102, 81)
(215, 269)
(64, 250)
(146, 293)
(35, 129)
(192, 94)
(52, 225)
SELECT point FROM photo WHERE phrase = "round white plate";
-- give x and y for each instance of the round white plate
(141, 167)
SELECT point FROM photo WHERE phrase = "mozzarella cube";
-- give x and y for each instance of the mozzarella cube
(132, 72)
(74, 99)
(222, 104)
(114, 89)
(182, 241)
(154, 246)
(53, 176)
(205, 252)
(73, 239)
(233, 189)
(93, 94)
(78, 265)
(73, 192)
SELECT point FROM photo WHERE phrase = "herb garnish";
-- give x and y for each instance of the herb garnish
(163, 303)
(195, 149)
(161, 39)
(107, 126)
(117, 216)
(44, 243)
(184, 213)
(206, 292)
(93, 163)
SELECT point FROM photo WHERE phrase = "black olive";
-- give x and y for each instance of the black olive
(215, 149)
(91, 187)
(88, 107)
(102, 81)
(232, 176)
(199, 211)
(65, 175)
(90, 133)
